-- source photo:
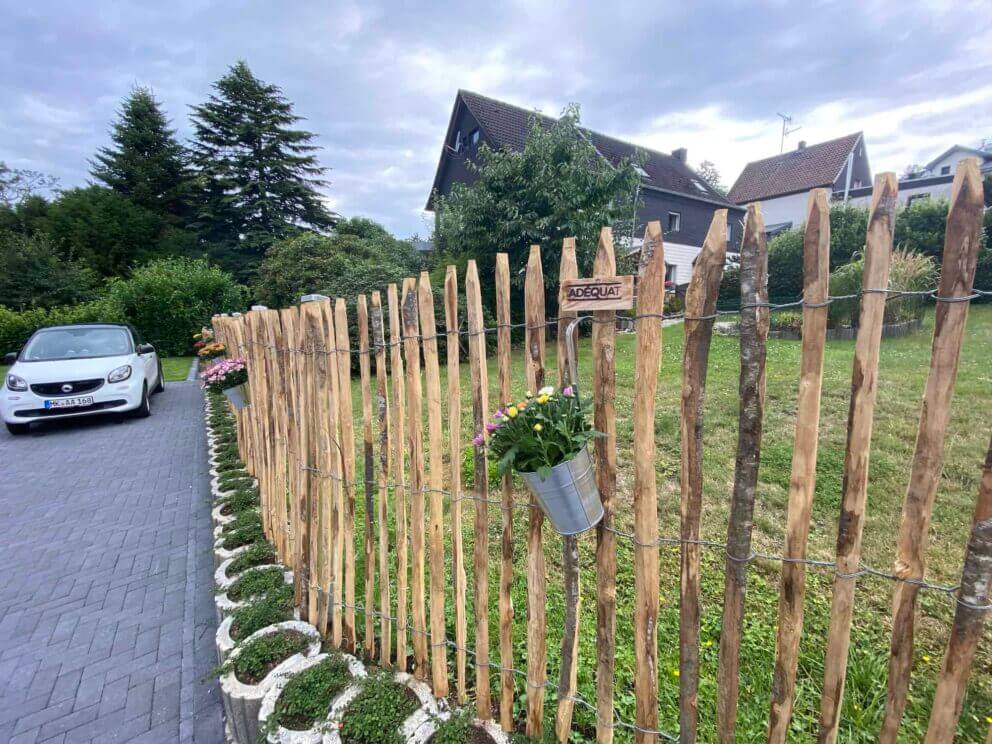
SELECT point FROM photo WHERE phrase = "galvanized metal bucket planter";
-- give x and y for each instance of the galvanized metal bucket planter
(238, 395)
(568, 496)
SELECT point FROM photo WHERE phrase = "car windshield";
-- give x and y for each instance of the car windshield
(76, 343)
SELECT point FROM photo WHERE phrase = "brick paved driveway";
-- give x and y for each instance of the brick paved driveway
(106, 580)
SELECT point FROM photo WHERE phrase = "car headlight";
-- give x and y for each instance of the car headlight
(120, 374)
(16, 383)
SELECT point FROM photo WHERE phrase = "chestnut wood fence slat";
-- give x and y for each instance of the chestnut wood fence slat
(399, 470)
(385, 453)
(368, 469)
(345, 419)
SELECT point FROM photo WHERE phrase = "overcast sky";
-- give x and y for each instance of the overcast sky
(376, 81)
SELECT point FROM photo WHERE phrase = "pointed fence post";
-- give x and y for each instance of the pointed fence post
(432, 379)
(399, 474)
(536, 575)
(754, 332)
(385, 450)
(451, 326)
(480, 412)
(568, 674)
(368, 460)
(864, 391)
(962, 242)
(650, 306)
(802, 483)
(503, 320)
(700, 304)
(415, 446)
(605, 450)
(345, 419)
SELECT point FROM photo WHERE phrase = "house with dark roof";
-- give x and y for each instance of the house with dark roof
(781, 183)
(670, 190)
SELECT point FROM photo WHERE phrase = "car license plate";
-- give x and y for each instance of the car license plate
(86, 400)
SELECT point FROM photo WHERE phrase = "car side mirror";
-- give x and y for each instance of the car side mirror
(145, 348)
(10, 358)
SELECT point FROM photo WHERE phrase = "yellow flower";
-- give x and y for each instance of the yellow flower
(675, 672)
(537, 427)
(926, 658)
(512, 411)
(542, 399)
(988, 719)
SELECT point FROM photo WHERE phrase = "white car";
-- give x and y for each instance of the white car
(79, 370)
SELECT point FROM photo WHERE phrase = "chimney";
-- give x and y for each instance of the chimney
(802, 145)
(681, 154)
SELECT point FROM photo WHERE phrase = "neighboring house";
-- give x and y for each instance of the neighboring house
(670, 190)
(421, 246)
(782, 183)
(932, 182)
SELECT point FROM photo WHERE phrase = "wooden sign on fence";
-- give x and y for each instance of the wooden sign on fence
(597, 293)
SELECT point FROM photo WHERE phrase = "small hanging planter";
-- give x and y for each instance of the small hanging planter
(238, 396)
(568, 495)
(545, 439)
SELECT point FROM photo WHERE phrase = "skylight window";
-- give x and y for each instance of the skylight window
(641, 172)
(700, 186)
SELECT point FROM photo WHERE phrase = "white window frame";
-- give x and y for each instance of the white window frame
(678, 222)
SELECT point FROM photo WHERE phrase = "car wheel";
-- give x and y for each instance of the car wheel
(17, 429)
(145, 409)
(160, 385)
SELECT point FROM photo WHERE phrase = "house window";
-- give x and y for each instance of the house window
(473, 137)
(945, 170)
(458, 142)
(671, 271)
(730, 232)
(917, 198)
(674, 222)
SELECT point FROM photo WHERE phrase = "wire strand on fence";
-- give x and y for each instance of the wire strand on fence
(892, 294)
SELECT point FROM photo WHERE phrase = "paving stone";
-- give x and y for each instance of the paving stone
(106, 609)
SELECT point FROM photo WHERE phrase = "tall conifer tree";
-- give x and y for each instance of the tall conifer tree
(257, 175)
(146, 163)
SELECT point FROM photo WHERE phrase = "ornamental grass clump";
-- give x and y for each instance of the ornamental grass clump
(539, 432)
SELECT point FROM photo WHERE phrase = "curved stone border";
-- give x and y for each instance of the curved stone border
(242, 701)
(222, 554)
(422, 723)
(221, 520)
(316, 734)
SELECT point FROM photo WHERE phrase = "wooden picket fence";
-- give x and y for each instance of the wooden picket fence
(298, 437)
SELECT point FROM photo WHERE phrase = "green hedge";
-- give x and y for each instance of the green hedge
(166, 300)
(16, 328)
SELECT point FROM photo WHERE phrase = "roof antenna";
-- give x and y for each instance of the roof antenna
(786, 121)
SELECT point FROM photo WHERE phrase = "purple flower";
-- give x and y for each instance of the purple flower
(479, 440)
(490, 427)
(568, 392)
(498, 415)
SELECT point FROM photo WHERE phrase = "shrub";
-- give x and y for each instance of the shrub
(261, 655)
(17, 327)
(239, 501)
(169, 299)
(908, 271)
(456, 730)
(374, 717)
(786, 320)
(306, 699)
(251, 532)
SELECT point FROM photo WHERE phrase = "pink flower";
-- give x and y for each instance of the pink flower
(498, 415)
(490, 427)
(479, 440)
(568, 392)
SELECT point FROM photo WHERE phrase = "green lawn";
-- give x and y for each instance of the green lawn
(903, 371)
(176, 368)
